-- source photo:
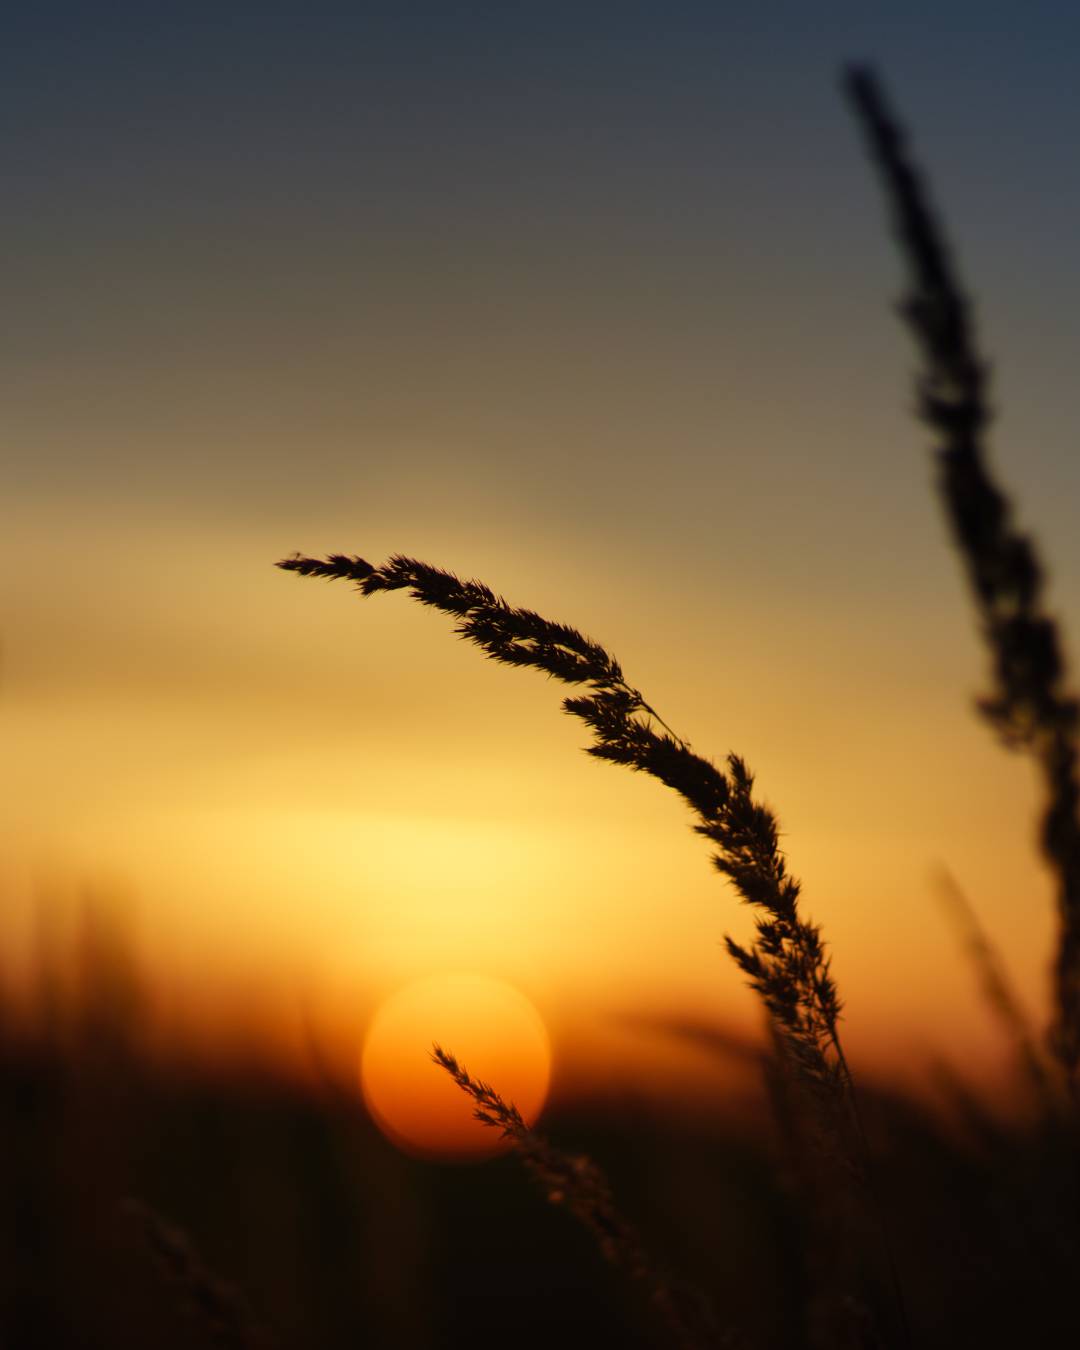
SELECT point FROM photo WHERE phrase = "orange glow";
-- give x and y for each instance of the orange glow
(492, 1029)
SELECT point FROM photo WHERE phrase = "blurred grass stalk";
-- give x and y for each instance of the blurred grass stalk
(1030, 706)
(577, 1183)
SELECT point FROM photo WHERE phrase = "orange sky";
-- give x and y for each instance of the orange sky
(645, 380)
(331, 797)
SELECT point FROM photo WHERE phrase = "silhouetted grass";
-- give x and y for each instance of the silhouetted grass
(576, 1182)
(1030, 706)
(215, 1305)
(787, 963)
(999, 994)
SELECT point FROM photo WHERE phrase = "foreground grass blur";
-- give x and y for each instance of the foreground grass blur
(329, 1237)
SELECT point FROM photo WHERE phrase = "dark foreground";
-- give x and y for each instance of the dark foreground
(145, 1205)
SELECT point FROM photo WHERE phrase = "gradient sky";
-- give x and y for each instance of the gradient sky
(593, 302)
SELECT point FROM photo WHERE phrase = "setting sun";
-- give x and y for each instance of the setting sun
(492, 1029)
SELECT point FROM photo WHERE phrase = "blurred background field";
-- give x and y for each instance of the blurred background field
(331, 1237)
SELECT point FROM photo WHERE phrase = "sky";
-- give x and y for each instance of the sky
(595, 303)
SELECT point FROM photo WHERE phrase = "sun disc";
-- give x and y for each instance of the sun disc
(492, 1029)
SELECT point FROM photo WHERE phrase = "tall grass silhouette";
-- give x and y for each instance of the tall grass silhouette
(787, 962)
(1030, 706)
